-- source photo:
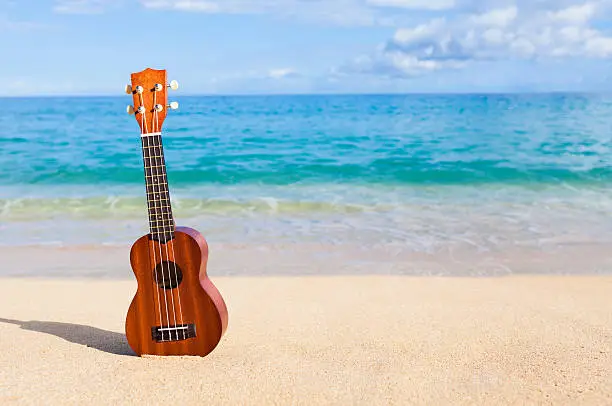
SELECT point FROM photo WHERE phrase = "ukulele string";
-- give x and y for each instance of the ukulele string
(145, 149)
(147, 154)
(158, 205)
(171, 226)
(155, 129)
(154, 228)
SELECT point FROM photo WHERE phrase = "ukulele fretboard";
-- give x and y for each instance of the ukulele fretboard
(161, 221)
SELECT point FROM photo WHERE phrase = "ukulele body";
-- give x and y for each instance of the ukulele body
(176, 310)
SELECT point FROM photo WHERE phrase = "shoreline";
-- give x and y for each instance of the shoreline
(321, 340)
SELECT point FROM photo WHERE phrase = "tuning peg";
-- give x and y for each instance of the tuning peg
(128, 89)
(173, 105)
(173, 85)
(159, 107)
(130, 109)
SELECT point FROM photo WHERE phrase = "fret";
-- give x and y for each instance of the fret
(151, 184)
(161, 224)
(162, 182)
(164, 227)
(161, 221)
(158, 197)
(160, 188)
(157, 218)
(168, 225)
(158, 211)
(155, 179)
(160, 216)
(163, 206)
(151, 191)
(156, 167)
(161, 209)
(164, 224)
(167, 228)
(158, 192)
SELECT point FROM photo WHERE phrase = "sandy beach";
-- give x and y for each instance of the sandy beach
(321, 340)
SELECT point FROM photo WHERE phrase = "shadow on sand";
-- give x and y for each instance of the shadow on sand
(102, 340)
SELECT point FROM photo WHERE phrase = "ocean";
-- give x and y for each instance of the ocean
(510, 176)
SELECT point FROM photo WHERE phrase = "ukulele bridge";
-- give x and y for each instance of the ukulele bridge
(179, 332)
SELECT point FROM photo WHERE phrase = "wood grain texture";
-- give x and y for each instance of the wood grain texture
(148, 78)
(196, 300)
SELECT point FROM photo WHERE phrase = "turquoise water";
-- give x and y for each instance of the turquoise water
(420, 172)
(401, 140)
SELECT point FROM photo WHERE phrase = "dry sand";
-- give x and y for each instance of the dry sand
(321, 340)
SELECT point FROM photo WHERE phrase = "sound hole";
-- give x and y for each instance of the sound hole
(168, 275)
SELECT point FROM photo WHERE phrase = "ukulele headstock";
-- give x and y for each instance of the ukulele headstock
(149, 90)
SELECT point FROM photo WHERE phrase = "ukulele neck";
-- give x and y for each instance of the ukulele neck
(161, 221)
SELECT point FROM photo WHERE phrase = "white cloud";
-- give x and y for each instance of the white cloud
(501, 17)
(498, 34)
(414, 4)
(282, 73)
(82, 6)
(341, 12)
(578, 14)
(398, 64)
(7, 24)
(254, 74)
(250, 6)
(201, 5)
(25, 86)
(362, 12)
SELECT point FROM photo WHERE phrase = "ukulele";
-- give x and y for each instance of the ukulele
(176, 309)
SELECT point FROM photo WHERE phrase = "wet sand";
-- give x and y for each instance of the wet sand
(303, 258)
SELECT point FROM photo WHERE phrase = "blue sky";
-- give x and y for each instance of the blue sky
(306, 46)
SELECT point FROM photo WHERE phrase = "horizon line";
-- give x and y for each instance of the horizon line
(256, 94)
